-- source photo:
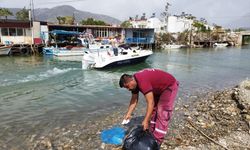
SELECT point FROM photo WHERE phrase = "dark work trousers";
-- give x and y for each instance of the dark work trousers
(162, 112)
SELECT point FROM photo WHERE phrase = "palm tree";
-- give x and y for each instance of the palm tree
(61, 20)
(5, 12)
(23, 14)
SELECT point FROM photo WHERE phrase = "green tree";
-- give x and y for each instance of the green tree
(69, 20)
(23, 14)
(91, 21)
(66, 20)
(61, 20)
(5, 12)
(166, 38)
(190, 16)
(239, 30)
(183, 37)
(199, 26)
(126, 24)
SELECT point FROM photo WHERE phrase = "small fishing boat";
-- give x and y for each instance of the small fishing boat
(83, 42)
(64, 51)
(220, 44)
(114, 58)
(172, 46)
(5, 50)
(69, 50)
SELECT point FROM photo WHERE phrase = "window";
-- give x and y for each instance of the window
(138, 34)
(12, 31)
(19, 32)
(135, 34)
(5, 31)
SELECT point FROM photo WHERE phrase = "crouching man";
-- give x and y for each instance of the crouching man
(160, 90)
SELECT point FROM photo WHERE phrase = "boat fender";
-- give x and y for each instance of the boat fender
(24, 51)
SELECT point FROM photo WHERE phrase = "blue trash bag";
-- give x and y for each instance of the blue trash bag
(113, 135)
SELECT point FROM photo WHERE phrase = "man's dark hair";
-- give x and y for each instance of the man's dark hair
(124, 79)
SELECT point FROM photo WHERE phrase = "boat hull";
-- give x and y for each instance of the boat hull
(107, 59)
(220, 45)
(124, 62)
(5, 50)
(132, 57)
(172, 46)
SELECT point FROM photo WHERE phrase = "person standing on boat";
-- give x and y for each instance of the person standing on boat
(114, 46)
(160, 90)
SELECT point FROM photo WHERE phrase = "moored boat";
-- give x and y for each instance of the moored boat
(220, 44)
(71, 48)
(84, 42)
(5, 50)
(172, 46)
(118, 57)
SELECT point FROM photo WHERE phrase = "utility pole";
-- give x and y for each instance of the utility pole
(33, 10)
(31, 17)
(166, 14)
(73, 18)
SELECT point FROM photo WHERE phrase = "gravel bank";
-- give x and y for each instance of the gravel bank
(218, 120)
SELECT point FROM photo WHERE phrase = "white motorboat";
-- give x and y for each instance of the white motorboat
(172, 46)
(5, 50)
(77, 58)
(220, 44)
(118, 57)
(68, 50)
(64, 51)
(74, 51)
(87, 43)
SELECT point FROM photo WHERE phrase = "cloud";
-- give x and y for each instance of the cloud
(215, 11)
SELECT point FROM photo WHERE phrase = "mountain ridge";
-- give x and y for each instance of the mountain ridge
(50, 14)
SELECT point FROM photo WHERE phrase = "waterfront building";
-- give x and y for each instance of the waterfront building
(153, 23)
(156, 24)
(174, 24)
(37, 32)
(122, 35)
(15, 32)
(177, 24)
(20, 32)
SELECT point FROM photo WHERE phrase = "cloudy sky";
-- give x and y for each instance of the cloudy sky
(215, 11)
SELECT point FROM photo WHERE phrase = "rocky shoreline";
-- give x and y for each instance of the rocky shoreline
(219, 120)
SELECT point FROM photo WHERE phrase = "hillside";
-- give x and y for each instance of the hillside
(50, 14)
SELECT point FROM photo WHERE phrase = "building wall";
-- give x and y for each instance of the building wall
(36, 30)
(178, 24)
(15, 38)
(156, 24)
(44, 33)
(173, 24)
(137, 36)
(139, 23)
(15, 32)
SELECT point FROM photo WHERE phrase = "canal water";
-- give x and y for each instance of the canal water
(39, 93)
